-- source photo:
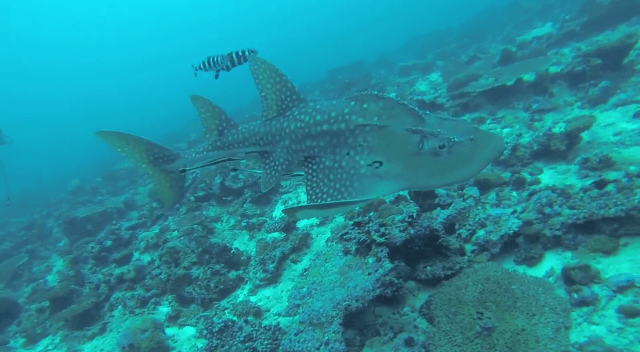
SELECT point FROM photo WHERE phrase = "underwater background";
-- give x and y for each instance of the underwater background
(71, 68)
(538, 252)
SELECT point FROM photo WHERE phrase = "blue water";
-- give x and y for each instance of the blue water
(69, 68)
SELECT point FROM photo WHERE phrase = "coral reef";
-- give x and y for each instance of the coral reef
(108, 269)
(143, 334)
(488, 308)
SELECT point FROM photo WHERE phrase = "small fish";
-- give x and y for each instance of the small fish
(210, 163)
(224, 62)
(349, 150)
(235, 169)
(259, 173)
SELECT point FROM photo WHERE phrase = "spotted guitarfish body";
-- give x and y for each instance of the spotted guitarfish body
(350, 150)
(225, 62)
(322, 129)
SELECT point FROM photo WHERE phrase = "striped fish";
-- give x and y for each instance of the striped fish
(224, 62)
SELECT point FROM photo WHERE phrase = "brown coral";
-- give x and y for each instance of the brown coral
(489, 308)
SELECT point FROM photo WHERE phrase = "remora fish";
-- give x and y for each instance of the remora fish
(226, 62)
(351, 150)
